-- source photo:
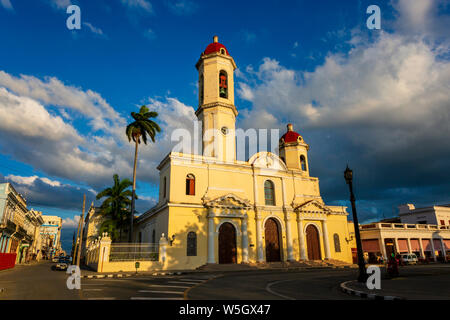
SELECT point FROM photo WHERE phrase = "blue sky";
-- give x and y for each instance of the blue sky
(377, 99)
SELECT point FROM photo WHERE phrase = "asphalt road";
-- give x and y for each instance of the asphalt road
(39, 281)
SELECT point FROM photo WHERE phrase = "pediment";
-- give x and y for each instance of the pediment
(229, 201)
(311, 206)
(267, 160)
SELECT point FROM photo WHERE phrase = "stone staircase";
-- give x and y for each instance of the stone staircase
(276, 265)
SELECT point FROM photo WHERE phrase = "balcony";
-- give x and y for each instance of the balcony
(402, 226)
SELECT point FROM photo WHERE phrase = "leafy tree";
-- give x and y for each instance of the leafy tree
(114, 207)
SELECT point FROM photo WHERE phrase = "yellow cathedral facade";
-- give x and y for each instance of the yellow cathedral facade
(215, 209)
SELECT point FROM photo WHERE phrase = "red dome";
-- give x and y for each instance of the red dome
(215, 47)
(290, 135)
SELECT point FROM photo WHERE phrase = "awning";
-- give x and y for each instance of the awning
(447, 244)
(437, 244)
(402, 245)
(426, 245)
(415, 245)
(371, 245)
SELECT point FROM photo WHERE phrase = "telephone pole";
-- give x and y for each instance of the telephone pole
(81, 231)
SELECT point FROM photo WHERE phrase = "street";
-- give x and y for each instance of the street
(39, 281)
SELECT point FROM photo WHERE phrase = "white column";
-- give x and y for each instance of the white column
(244, 240)
(397, 249)
(211, 231)
(422, 254)
(259, 242)
(301, 238)
(409, 245)
(433, 253)
(444, 253)
(326, 243)
(290, 250)
(383, 248)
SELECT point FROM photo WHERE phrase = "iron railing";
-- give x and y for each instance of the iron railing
(134, 252)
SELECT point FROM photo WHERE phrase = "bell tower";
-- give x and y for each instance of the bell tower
(216, 109)
(293, 150)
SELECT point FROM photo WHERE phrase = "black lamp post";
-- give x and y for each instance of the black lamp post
(362, 277)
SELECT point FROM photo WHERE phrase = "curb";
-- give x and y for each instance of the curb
(125, 275)
(366, 295)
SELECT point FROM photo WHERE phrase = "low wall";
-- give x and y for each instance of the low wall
(129, 266)
(7, 260)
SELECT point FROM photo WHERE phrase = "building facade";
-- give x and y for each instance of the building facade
(214, 208)
(423, 231)
(50, 237)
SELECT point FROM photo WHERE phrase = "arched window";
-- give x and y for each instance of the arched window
(303, 162)
(165, 186)
(337, 243)
(269, 193)
(223, 84)
(201, 88)
(191, 244)
(190, 185)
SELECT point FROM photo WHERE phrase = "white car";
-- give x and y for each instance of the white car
(409, 258)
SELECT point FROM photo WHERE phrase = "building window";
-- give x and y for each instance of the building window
(190, 185)
(303, 162)
(223, 84)
(337, 243)
(154, 236)
(201, 89)
(191, 244)
(443, 222)
(269, 193)
(165, 186)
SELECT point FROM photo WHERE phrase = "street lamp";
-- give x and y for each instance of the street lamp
(362, 277)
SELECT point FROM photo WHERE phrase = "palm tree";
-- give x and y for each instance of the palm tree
(114, 207)
(142, 127)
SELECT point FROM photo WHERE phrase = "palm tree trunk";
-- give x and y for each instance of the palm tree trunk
(130, 236)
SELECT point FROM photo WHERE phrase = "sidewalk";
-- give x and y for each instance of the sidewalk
(412, 284)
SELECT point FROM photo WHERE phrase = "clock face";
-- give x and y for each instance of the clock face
(224, 130)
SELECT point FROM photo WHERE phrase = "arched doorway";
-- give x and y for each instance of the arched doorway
(313, 243)
(272, 236)
(227, 243)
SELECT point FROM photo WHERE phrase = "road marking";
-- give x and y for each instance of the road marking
(92, 289)
(185, 282)
(276, 293)
(197, 280)
(167, 286)
(148, 298)
(168, 292)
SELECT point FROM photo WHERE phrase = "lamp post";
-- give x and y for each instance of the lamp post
(362, 277)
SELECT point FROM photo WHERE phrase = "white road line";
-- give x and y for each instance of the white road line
(92, 289)
(167, 286)
(185, 282)
(192, 280)
(148, 298)
(276, 293)
(168, 292)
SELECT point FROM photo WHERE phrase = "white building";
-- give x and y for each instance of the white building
(436, 215)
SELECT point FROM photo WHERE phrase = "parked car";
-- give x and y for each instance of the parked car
(409, 258)
(55, 259)
(63, 264)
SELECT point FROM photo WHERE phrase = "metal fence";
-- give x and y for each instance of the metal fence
(134, 252)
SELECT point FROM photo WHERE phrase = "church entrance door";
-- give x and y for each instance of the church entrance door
(313, 243)
(272, 237)
(227, 243)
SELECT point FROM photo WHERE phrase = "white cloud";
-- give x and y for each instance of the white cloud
(7, 4)
(182, 7)
(94, 30)
(71, 223)
(30, 180)
(61, 4)
(138, 4)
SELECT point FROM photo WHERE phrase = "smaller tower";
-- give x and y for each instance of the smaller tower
(293, 150)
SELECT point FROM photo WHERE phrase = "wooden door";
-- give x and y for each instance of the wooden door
(272, 237)
(227, 243)
(313, 243)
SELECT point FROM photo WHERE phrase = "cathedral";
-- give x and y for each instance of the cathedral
(215, 209)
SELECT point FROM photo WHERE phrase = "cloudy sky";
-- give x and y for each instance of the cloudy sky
(376, 99)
